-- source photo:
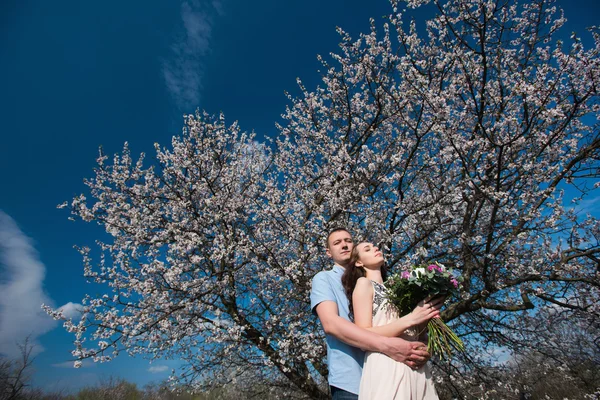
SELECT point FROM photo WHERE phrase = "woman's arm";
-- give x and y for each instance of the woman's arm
(362, 303)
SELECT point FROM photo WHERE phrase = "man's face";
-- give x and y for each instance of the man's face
(339, 247)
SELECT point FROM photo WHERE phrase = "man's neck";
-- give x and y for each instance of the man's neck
(341, 265)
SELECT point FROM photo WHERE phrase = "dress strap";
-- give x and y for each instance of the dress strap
(379, 296)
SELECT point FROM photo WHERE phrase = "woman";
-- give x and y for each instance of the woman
(384, 378)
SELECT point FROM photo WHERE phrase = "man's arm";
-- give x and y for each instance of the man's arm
(412, 354)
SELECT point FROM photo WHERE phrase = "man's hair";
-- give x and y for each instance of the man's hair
(331, 232)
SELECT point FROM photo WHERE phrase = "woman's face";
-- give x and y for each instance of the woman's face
(369, 256)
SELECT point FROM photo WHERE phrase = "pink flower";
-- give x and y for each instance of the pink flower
(405, 275)
(454, 282)
(435, 267)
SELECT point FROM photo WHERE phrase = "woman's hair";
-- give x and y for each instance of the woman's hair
(351, 275)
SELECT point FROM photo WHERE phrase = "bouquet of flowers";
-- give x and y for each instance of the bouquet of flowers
(407, 288)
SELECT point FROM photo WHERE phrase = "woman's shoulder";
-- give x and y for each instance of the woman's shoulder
(363, 284)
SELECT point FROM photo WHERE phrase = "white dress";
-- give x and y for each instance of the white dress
(386, 379)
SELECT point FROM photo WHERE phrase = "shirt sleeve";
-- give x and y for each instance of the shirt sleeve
(321, 291)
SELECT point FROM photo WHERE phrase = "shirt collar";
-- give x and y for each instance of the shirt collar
(338, 269)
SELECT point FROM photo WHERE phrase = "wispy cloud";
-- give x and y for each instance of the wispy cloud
(184, 71)
(21, 290)
(70, 364)
(218, 6)
(590, 204)
(158, 368)
(72, 310)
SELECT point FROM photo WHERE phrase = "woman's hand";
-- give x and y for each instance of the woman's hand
(426, 309)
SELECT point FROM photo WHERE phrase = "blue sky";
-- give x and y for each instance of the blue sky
(75, 75)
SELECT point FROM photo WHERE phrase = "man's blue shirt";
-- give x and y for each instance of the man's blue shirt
(345, 361)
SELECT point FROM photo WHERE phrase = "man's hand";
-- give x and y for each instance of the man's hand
(413, 354)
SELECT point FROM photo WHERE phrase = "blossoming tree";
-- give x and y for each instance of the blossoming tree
(455, 145)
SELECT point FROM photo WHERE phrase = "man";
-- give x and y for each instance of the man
(344, 339)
